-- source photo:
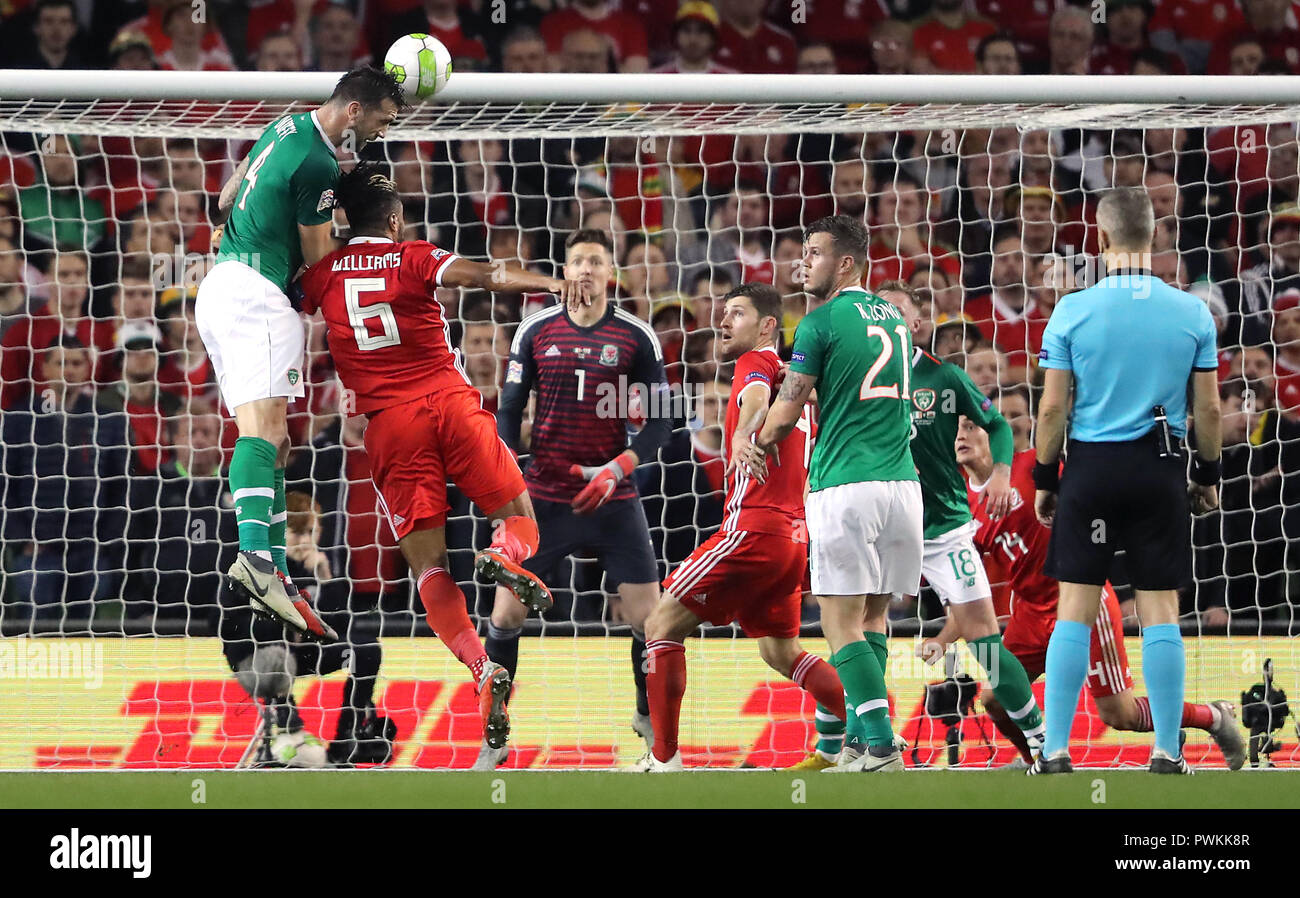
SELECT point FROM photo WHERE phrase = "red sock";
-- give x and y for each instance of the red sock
(819, 680)
(517, 537)
(444, 608)
(665, 685)
(1198, 717)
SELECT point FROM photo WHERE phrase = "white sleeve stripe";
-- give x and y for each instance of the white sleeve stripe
(645, 328)
(442, 266)
(528, 323)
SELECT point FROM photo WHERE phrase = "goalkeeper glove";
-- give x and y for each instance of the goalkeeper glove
(603, 479)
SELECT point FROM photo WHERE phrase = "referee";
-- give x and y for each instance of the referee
(1130, 346)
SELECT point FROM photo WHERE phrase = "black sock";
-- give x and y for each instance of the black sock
(639, 664)
(502, 646)
(359, 688)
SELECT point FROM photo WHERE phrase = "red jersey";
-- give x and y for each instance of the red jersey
(775, 506)
(951, 49)
(1018, 541)
(623, 29)
(386, 331)
(770, 50)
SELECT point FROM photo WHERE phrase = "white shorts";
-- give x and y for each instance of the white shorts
(953, 567)
(865, 538)
(254, 337)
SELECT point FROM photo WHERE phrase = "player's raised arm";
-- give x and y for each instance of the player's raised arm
(503, 279)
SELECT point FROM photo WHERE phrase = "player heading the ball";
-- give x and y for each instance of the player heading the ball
(281, 206)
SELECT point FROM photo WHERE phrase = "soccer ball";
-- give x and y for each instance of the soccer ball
(420, 63)
(298, 749)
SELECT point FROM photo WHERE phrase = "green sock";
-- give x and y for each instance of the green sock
(864, 686)
(279, 520)
(880, 645)
(830, 731)
(1010, 685)
(252, 483)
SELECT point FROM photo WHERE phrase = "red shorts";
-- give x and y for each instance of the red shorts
(1108, 674)
(753, 578)
(417, 446)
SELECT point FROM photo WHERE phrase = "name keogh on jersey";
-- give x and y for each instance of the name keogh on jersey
(366, 262)
(879, 312)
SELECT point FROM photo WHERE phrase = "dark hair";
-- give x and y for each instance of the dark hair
(368, 197)
(997, 37)
(1152, 57)
(64, 341)
(1021, 390)
(368, 86)
(848, 236)
(137, 267)
(42, 5)
(764, 297)
(590, 235)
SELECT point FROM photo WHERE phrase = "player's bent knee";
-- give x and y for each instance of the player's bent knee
(1117, 716)
(507, 611)
(669, 619)
(780, 654)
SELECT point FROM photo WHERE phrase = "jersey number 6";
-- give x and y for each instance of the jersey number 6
(358, 314)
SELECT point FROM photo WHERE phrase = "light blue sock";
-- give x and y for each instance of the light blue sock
(1067, 667)
(1163, 669)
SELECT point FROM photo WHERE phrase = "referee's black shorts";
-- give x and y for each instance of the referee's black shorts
(1122, 496)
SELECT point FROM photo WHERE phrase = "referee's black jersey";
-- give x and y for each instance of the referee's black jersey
(1131, 343)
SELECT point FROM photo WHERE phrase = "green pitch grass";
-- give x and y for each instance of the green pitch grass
(692, 789)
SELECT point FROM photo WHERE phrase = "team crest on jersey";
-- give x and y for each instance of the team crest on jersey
(923, 398)
(326, 201)
(515, 373)
(293, 377)
(609, 355)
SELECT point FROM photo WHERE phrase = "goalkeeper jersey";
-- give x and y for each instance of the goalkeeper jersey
(290, 181)
(858, 347)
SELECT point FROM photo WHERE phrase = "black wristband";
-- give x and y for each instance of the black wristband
(1047, 476)
(1206, 473)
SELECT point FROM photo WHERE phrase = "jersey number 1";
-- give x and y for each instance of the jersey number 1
(869, 389)
(358, 314)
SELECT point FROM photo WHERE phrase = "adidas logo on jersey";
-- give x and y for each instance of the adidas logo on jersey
(553, 351)
(399, 520)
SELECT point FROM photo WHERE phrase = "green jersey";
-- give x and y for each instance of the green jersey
(858, 347)
(290, 181)
(941, 392)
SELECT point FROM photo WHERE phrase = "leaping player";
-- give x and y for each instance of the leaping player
(1021, 542)
(752, 569)
(427, 426)
(281, 205)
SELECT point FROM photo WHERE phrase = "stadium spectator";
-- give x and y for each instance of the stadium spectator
(585, 51)
(947, 38)
(186, 370)
(1027, 22)
(987, 369)
(56, 212)
(484, 346)
(1190, 27)
(891, 48)
(741, 230)
(190, 48)
(138, 395)
(851, 187)
(336, 40)
(1070, 38)
(929, 281)
(55, 28)
(699, 354)
(65, 465)
(695, 38)
(630, 176)
(1039, 210)
(444, 20)
(684, 492)
(523, 52)
(131, 51)
(279, 52)
(1277, 272)
(900, 236)
(1272, 24)
(623, 32)
(819, 59)
(749, 43)
(646, 277)
(842, 31)
(1126, 40)
(996, 54)
(13, 291)
(1016, 405)
(1246, 56)
(63, 314)
(1286, 363)
(182, 528)
(954, 336)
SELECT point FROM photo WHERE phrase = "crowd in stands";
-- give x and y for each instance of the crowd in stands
(114, 437)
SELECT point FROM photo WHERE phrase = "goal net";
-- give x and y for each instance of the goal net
(980, 193)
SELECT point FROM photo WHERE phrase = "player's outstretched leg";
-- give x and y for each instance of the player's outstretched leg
(813, 675)
(978, 625)
(513, 542)
(1132, 713)
(666, 626)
